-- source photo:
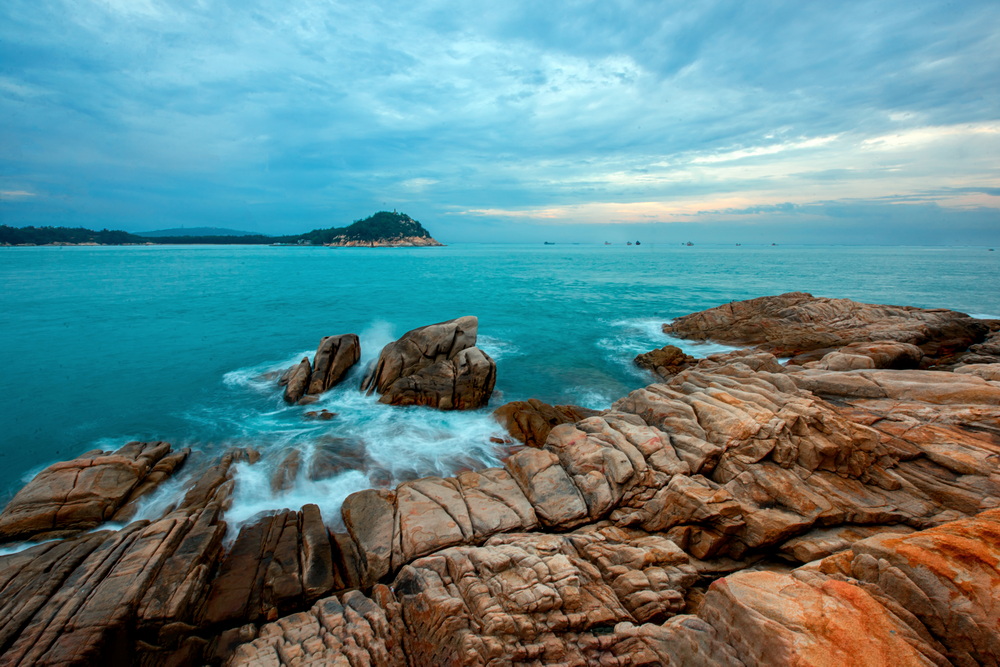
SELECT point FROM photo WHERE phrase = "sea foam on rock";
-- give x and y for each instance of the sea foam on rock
(333, 359)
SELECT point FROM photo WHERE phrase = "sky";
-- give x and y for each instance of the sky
(711, 121)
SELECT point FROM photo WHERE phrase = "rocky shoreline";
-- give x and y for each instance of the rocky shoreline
(841, 507)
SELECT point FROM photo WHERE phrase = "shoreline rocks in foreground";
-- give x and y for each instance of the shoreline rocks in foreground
(741, 512)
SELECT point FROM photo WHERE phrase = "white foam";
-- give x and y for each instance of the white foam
(386, 444)
(698, 349)
(378, 334)
(18, 547)
(497, 348)
(257, 378)
(253, 494)
(593, 399)
(984, 316)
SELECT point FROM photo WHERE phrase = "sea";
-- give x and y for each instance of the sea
(103, 345)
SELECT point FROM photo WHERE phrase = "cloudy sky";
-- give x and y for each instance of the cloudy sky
(510, 121)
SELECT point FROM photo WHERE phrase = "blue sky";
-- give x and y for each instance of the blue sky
(715, 121)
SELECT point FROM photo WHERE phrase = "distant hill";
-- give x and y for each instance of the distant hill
(383, 229)
(380, 230)
(64, 236)
(196, 231)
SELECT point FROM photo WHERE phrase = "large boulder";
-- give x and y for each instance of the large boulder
(797, 322)
(437, 366)
(333, 359)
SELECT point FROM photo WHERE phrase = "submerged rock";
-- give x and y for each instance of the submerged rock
(437, 366)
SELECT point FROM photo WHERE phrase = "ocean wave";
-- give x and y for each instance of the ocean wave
(262, 377)
(594, 399)
(371, 444)
(497, 348)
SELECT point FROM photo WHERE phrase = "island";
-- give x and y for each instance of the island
(383, 230)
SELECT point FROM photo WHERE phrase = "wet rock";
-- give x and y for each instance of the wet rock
(276, 564)
(332, 456)
(214, 485)
(593, 547)
(298, 381)
(322, 415)
(284, 475)
(530, 421)
(666, 362)
(83, 493)
(437, 366)
(333, 359)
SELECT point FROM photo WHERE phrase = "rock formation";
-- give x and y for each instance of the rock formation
(437, 366)
(333, 359)
(740, 513)
(80, 494)
(530, 421)
(666, 362)
(797, 323)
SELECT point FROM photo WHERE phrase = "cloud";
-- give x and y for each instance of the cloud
(290, 115)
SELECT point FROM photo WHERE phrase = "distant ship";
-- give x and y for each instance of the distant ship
(548, 243)
(629, 243)
(637, 243)
(607, 243)
(688, 243)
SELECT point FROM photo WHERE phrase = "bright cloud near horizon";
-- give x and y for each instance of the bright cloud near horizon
(812, 122)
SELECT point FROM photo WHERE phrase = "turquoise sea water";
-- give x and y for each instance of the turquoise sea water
(101, 345)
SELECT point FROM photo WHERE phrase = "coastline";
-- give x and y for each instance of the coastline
(656, 528)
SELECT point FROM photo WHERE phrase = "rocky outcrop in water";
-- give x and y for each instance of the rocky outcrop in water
(436, 366)
(333, 359)
(798, 323)
(740, 513)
